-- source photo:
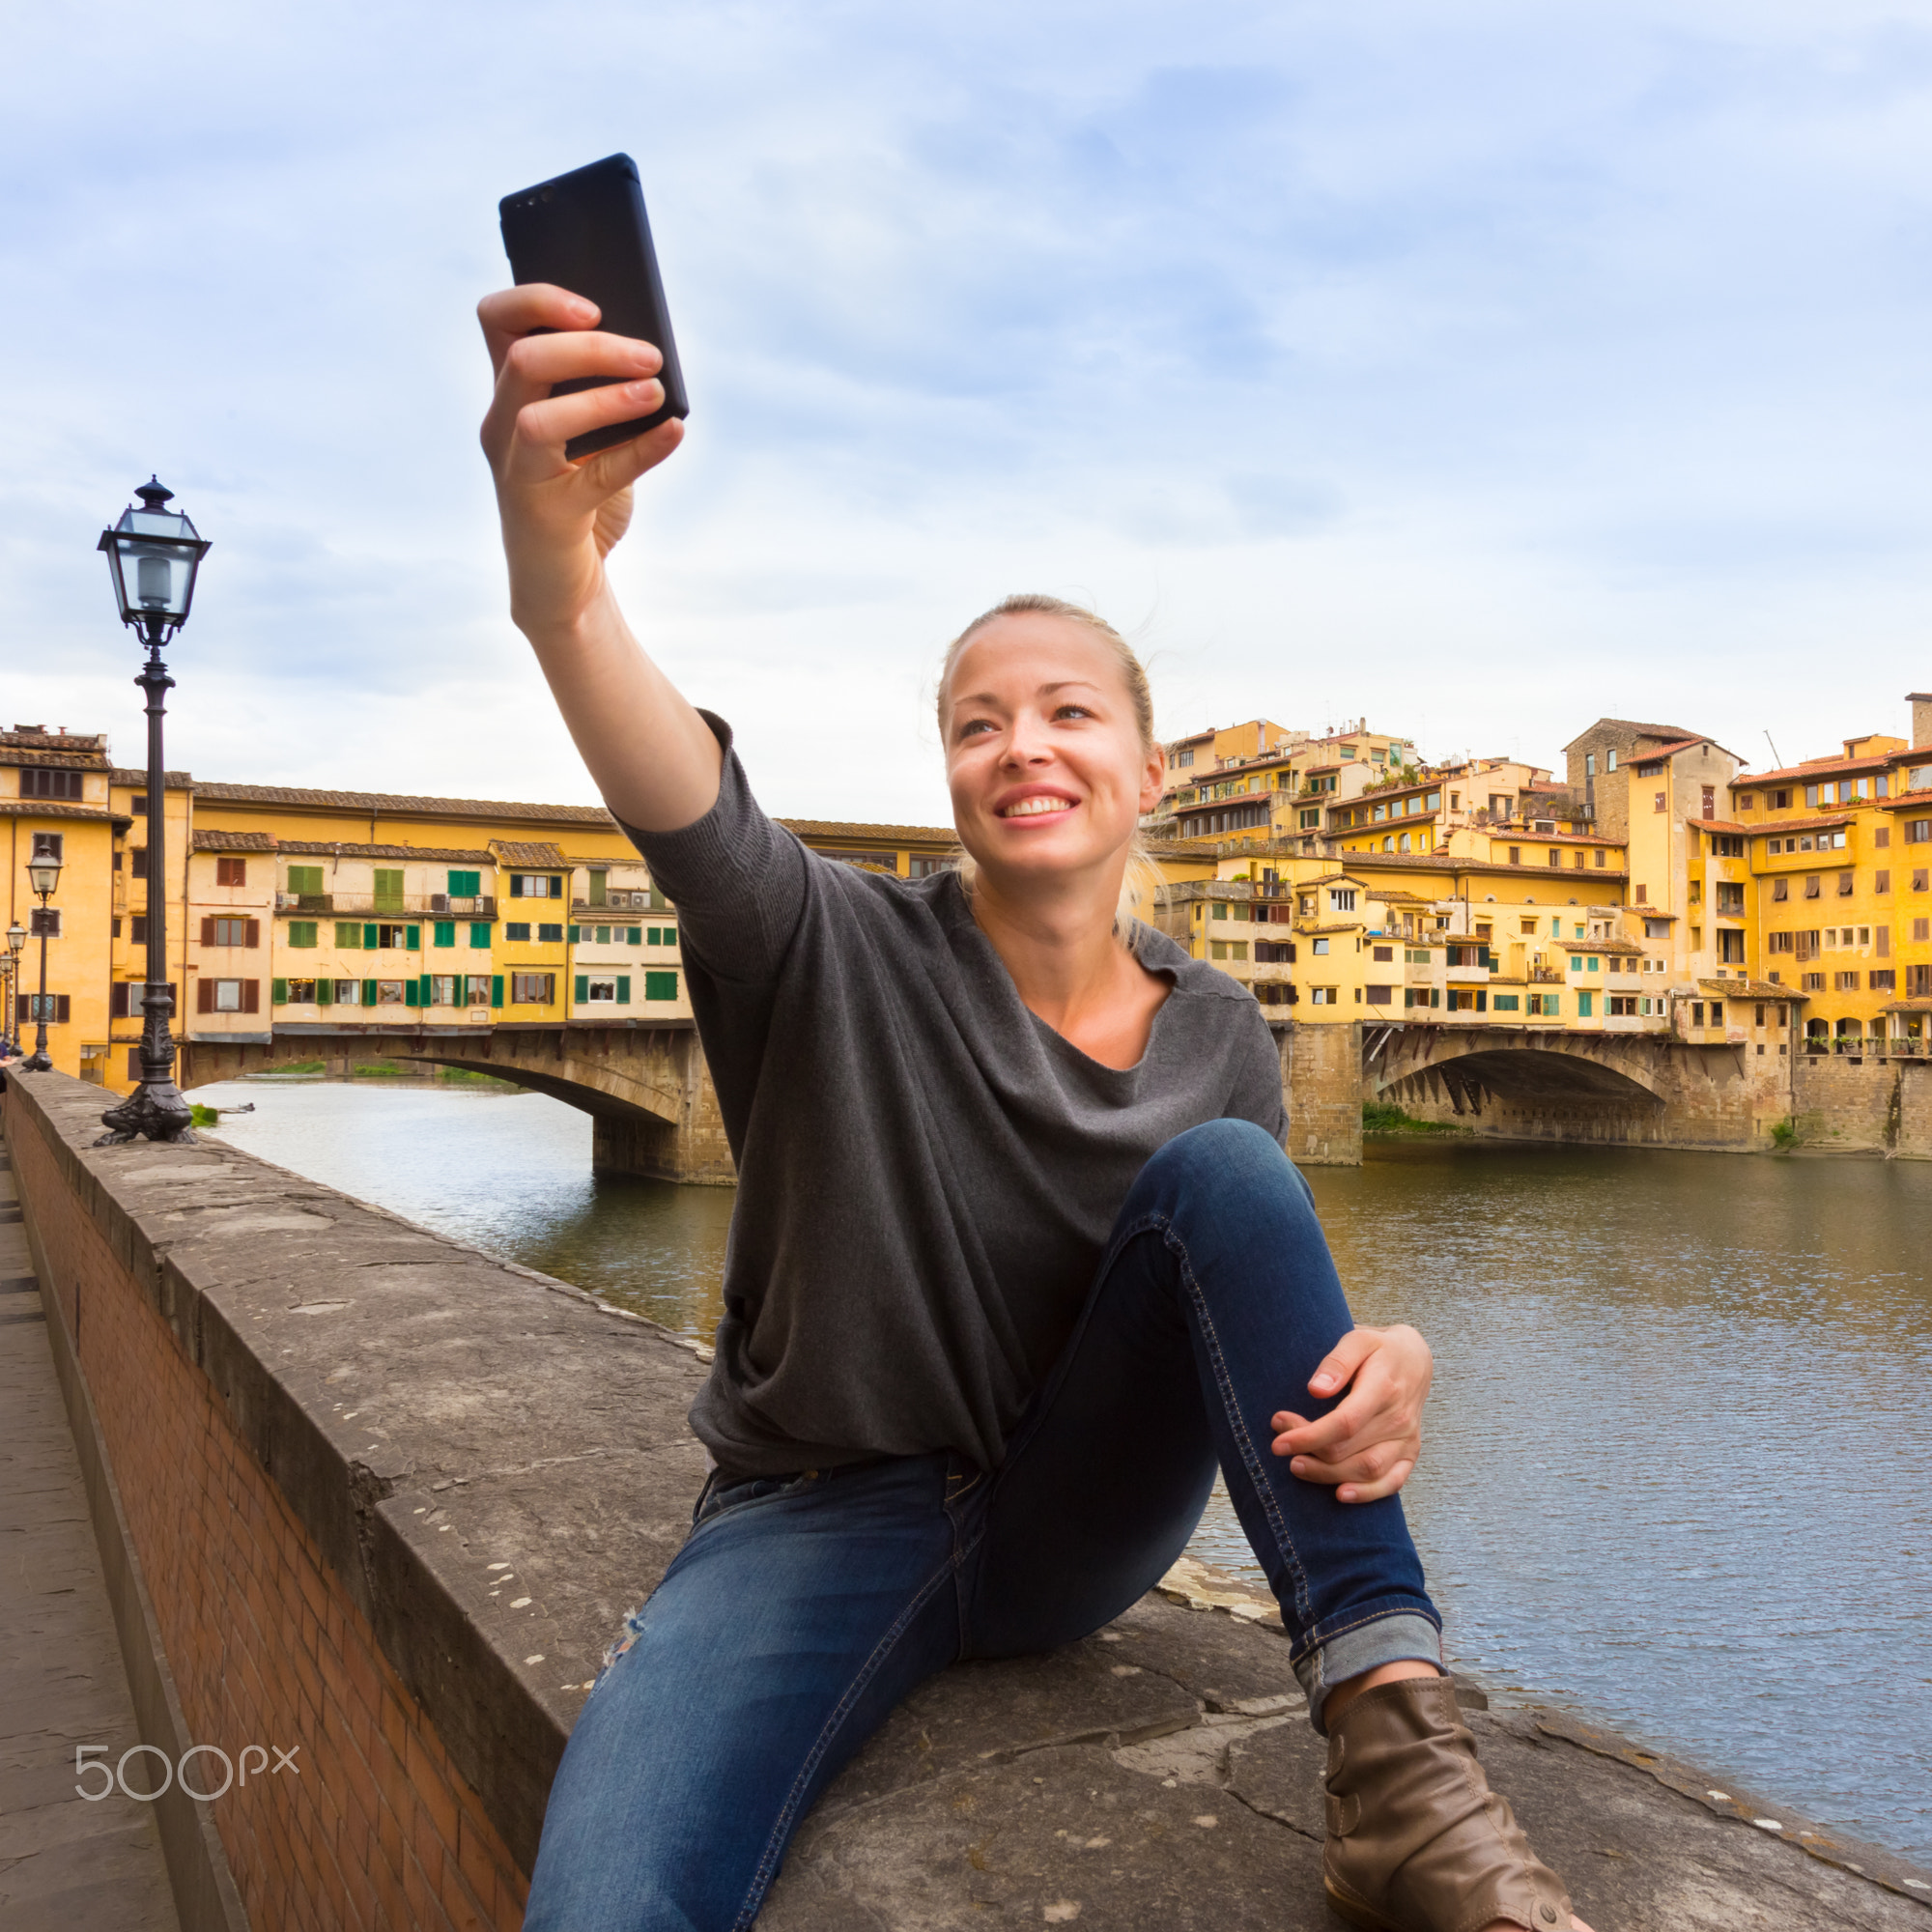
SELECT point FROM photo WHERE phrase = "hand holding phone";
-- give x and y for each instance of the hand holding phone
(587, 231)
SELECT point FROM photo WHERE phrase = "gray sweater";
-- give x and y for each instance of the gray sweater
(927, 1172)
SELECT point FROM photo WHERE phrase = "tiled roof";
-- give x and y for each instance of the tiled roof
(47, 808)
(1749, 989)
(234, 841)
(300, 799)
(1675, 733)
(884, 835)
(537, 853)
(342, 848)
(127, 774)
(11, 754)
(1812, 769)
(1724, 825)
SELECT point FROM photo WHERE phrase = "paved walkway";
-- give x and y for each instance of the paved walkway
(65, 1865)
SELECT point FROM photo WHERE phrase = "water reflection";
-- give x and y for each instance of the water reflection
(1679, 1463)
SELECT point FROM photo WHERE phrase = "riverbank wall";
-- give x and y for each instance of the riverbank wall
(372, 1504)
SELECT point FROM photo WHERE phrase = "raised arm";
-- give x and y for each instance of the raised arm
(652, 757)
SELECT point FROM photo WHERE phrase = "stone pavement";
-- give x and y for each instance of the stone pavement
(66, 1866)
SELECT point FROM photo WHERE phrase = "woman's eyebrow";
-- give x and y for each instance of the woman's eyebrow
(1044, 691)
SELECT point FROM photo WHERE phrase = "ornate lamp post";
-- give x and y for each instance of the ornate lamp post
(16, 940)
(153, 554)
(44, 872)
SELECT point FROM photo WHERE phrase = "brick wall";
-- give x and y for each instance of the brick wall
(1863, 1102)
(296, 1394)
(266, 1647)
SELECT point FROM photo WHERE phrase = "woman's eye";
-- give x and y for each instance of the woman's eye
(1073, 711)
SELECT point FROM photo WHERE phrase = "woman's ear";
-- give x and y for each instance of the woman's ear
(1153, 778)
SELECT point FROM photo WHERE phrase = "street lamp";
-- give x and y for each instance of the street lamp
(44, 872)
(16, 940)
(153, 553)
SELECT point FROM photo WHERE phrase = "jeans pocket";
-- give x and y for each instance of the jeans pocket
(717, 1496)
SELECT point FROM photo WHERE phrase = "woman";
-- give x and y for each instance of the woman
(1018, 1261)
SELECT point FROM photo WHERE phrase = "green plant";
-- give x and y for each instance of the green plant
(374, 1069)
(1386, 1117)
(203, 1116)
(300, 1067)
(1784, 1133)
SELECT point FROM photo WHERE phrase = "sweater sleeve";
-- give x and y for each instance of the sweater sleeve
(738, 881)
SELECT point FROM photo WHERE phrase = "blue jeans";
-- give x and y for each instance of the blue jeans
(803, 1608)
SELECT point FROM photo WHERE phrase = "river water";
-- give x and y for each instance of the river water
(1677, 1465)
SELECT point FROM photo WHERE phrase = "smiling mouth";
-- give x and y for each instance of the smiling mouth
(1037, 807)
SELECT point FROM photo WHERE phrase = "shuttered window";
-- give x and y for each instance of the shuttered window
(348, 936)
(388, 889)
(446, 932)
(301, 933)
(466, 885)
(660, 986)
(551, 935)
(479, 933)
(33, 1006)
(306, 879)
(634, 935)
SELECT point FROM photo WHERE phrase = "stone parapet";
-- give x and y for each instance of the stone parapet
(389, 1499)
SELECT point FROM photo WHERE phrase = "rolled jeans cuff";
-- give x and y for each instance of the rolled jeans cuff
(1399, 1636)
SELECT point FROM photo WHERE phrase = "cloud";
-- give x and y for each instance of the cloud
(1479, 368)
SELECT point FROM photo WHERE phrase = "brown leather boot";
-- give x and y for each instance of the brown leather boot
(1417, 1841)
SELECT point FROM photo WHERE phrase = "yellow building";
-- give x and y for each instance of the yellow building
(1837, 876)
(55, 799)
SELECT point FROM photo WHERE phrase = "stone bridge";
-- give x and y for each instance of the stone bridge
(647, 1088)
(1546, 1084)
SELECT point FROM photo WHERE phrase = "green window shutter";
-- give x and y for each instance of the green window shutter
(660, 986)
(423, 991)
(576, 932)
(301, 933)
(636, 934)
(368, 992)
(413, 937)
(278, 992)
(369, 938)
(495, 989)
(304, 878)
(596, 883)
(479, 933)
(623, 989)
(583, 986)
(324, 992)
(348, 938)
(466, 885)
(652, 938)
(446, 932)
(1482, 1000)
(410, 990)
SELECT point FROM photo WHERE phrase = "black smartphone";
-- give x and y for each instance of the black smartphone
(586, 232)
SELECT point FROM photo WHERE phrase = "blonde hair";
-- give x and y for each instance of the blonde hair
(1143, 885)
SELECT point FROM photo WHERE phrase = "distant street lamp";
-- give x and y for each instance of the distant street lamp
(153, 554)
(16, 940)
(44, 872)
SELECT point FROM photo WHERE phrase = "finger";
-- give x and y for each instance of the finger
(1368, 1464)
(542, 429)
(1374, 1492)
(1338, 1367)
(611, 470)
(537, 363)
(1363, 1414)
(511, 313)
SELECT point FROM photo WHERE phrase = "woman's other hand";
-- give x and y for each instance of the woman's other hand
(1369, 1442)
(561, 518)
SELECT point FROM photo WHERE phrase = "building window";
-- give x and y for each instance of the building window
(295, 993)
(534, 886)
(231, 932)
(1182, 759)
(231, 872)
(1621, 1006)
(466, 885)
(302, 932)
(1884, 979)
(442, 990)
(516, 928)
(660, 986)
(348, 992)
(1342, 898)
(444, 933)
(37, 1007)
(532, 989)
(1657, 803)
(45, 920)
(479, 933)
(549, 935)
(392, 938)
(601, 992)
(36, 783)
(305, 880)
(137, 861)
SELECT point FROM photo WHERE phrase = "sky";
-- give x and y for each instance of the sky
(1475, 369)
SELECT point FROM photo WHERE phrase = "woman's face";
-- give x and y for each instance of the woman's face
(1044, 756)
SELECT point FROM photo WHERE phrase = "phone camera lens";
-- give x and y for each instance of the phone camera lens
(546, 194)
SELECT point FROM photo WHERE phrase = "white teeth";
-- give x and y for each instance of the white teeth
(1029, 807)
